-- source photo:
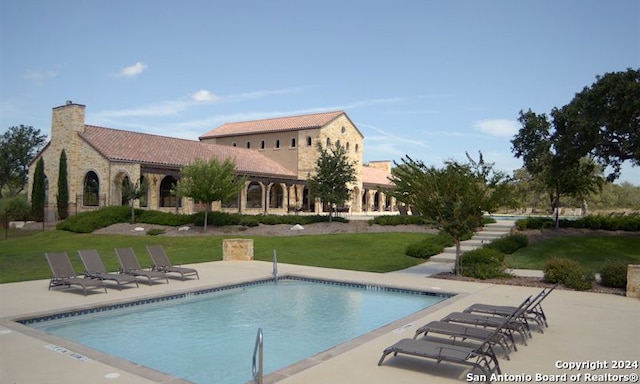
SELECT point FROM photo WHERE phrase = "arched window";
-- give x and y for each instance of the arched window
(357, 147)
(308, 141)
(343, 130)
(293, 142)
(167, 199)
(262, 145)
(347, 146)
(337, 143)
(328, 142)
(254, 195)
(248, 144)
(91, 190)
(276, 145)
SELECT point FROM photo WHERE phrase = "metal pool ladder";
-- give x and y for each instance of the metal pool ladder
(257, 358)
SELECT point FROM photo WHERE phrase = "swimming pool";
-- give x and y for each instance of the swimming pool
(208, 336)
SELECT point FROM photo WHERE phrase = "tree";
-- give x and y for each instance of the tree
(333, 173)
(552, 163)
(18, 146)
(62, 198)
(603, 121)
(455, 196)
(209, 181)
(38, 191)
(132, 192)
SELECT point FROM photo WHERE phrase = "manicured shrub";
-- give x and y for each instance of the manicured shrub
(569, 273)
(423, 249)
(401, 220)
(483, 263)
(87, 222)
(614, 274)
(155, 231)
(509, 244)
(162, 218)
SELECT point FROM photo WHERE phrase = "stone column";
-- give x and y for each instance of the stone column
(633, 280)
(237, 249)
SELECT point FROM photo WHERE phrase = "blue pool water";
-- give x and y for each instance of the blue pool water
(210, 338)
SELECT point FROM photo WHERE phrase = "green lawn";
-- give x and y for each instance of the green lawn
(590, 251)
(23, 258)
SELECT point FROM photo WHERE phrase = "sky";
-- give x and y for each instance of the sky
(429, 79)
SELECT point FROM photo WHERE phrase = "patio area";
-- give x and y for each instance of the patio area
(583, 327)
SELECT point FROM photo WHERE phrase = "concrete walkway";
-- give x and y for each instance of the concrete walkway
(583, 326)
(444, 262)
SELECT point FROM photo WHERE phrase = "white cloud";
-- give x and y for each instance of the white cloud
(133, 70)
(497, 127)
(204, 95)
(39, 77)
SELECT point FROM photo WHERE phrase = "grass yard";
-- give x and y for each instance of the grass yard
(590, 251)
(23, 258)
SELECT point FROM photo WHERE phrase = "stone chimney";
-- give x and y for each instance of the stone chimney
(66, 122)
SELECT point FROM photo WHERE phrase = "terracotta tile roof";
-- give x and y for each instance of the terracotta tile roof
(373, 177)
(118, 145)
(280, 124)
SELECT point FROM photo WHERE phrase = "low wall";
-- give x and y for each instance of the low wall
(237, 249)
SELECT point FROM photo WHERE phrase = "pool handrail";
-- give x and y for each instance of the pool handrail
(257, 353)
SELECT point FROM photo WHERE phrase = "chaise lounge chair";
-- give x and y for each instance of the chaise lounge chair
(95, 269)
(481, 356)
(517, 323)
(533, 313)
(161, 263)
(63, 273)
(131, 266)
(504, 338)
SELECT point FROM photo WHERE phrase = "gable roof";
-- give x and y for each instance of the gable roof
(279, 124)
(374, 177)
(118, 145)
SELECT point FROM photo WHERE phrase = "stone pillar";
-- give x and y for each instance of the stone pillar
(633, 280)
(237, 249)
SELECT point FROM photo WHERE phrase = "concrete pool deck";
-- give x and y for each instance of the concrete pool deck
(582, 327)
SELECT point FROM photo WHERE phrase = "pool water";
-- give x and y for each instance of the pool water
(210, 338)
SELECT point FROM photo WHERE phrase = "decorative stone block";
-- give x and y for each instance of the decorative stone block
(633, 280)
(237, 249)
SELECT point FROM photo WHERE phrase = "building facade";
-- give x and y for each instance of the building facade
(275, 155)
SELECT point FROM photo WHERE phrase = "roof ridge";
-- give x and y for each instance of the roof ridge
(144, 133)
(285, 117)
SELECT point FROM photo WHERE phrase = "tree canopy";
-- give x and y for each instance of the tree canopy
(455, 196)
(333, 174)
(553, 165)
(62, 198)
(18, 146)
(603, 122)
(209, 181)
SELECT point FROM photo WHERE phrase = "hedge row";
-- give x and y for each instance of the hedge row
(609, 223)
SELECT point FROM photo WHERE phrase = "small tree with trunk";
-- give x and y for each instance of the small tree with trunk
(132, 192)
(333, 173)
(209, 181)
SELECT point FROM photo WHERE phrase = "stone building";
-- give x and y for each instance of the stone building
(275, 155)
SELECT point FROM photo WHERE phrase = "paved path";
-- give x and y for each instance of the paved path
(444, 261)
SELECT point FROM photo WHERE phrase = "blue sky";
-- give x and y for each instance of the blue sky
(428, 79)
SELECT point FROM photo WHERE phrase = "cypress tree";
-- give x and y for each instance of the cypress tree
(38, 191)
(62, 199)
